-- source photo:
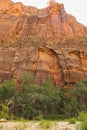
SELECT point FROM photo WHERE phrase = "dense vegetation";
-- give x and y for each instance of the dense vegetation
(44, 101)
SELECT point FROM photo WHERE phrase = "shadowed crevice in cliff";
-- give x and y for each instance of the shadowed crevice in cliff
(48, 66)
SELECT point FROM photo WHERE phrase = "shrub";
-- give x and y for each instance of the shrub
(82, 116)
(7, 91)
(30, 113)
(45, 124)
(27, 79)
(44, 101)
(72, 120)
(55, 117)
(4, 111)
(82, 126)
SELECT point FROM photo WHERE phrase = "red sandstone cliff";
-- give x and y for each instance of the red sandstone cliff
(45, 42)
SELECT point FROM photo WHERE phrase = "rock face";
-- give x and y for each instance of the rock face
(51, 23)
(30, 42)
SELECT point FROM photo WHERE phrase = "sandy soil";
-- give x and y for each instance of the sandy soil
(35, 125)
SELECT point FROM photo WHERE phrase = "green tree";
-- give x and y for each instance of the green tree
(7, 91)
(80, 92)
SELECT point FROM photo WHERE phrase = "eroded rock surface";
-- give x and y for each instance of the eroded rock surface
(64, 66)
(20, 22)
(29, 43)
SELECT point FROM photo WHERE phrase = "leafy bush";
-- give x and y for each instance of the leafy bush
(82, 116)
(27, 79)
(30, 113)
(44, 101)
(45, 124)
(82, 126)
(55, 117)
(7, 91)
(4, 111)
(72, 120)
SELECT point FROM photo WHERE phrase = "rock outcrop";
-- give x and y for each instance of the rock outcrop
(46, 42)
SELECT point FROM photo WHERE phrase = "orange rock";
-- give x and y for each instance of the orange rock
(45, 42)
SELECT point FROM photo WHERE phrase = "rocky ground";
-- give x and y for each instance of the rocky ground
(37, 125)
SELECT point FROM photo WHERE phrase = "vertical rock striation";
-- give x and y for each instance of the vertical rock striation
(47, 42)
